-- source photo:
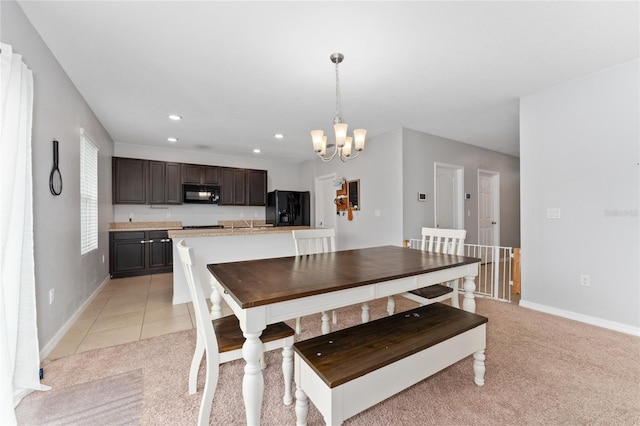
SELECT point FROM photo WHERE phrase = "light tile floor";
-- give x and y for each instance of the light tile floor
(127, 310)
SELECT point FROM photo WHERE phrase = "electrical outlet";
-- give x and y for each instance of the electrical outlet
(585, 280)
(51, 295)
(553, 213)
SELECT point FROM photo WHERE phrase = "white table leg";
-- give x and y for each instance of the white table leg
(253, 382)
(478, 367)
(469, 302)
(216, 303)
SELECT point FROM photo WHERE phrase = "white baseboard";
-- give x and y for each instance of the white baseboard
(46, 350)
(599, 322)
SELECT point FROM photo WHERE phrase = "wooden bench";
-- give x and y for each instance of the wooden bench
(350, 370)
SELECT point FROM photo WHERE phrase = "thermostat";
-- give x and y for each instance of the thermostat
(422, 196)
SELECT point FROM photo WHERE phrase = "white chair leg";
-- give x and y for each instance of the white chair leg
(334, 316)
(298, 326)
(454, 296)
(210, 384)
(287, 373)
(391, 305)
(195, 364)
(263, 361)
(365, 312)
(326, 325)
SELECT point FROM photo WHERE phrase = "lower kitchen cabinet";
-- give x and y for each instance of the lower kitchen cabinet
(133, 253)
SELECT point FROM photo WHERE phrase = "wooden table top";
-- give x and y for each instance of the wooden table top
(265, 281)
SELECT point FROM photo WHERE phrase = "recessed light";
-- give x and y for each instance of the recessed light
(278, 136)
(175, 117)
(256, 151)
(172, 140)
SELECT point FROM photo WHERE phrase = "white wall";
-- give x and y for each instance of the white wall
(422, 150)
(280, 175)
(59, 112)
(579, 144)
(379, 168)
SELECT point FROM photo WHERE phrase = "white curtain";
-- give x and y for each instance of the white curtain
(19, 349)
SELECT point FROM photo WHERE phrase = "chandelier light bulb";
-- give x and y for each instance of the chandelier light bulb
(344, 144)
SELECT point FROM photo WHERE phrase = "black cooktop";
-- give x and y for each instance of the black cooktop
(203, 227)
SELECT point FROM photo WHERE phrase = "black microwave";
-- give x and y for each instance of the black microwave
(199, 194)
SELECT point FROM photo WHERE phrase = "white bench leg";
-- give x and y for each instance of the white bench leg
(478, 367)
(287, 373)
(302, 407)
(298, 326)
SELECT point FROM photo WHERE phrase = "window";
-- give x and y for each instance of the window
(88, 195)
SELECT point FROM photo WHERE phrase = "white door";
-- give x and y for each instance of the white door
(449, 209)
(488, 208)
(325, 207)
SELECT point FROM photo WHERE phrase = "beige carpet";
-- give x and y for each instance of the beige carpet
(541, 370)
(115, 400)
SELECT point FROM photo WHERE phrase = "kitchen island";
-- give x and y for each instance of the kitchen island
(227, 245)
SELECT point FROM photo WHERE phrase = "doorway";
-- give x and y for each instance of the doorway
(325, 207)
(488, 208)
(448, 200)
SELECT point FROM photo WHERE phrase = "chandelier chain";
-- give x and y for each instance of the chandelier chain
(338, 118)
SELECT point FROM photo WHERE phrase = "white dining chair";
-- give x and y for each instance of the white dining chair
(437, 240)
(313, 241)
(220, 340)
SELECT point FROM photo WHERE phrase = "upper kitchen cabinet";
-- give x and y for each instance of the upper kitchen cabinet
(243, 187)
(195, 174)
(138, 181)
(165, 183)
(233, 186)
(256, 187)
(129, 177)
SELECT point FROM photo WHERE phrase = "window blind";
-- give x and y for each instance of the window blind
(88, 195)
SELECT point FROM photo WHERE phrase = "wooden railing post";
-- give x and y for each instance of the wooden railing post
(515, 289)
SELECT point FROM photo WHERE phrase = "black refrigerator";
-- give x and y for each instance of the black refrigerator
(288, 208)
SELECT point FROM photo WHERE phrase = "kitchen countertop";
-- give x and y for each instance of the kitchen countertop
(144, 226)
(257, 230)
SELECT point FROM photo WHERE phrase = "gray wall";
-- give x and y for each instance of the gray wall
(579, 152)
(59, 112)
(422, 150)
(379, 169)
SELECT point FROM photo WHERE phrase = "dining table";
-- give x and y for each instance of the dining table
(266, 291)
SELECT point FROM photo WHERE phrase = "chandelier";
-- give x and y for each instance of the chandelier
(345, 145)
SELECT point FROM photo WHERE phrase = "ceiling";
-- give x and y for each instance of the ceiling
(239, 72)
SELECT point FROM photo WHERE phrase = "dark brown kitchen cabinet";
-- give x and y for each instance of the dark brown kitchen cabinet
(138, 181)
(256, 187)
(133, 253)
(196, 174)
(129, 176)
(165, 183)
(233, 186)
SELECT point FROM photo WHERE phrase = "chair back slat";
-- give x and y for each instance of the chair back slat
(312, 241)
(204, 327)
(448, 241)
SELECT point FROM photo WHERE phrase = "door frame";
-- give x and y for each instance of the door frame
(495, 187)
(320, 182)
(458, 216)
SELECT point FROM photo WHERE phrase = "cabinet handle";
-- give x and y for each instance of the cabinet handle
(165, 240)
(145, 242)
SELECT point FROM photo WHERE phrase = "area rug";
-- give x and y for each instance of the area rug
(115, 400)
